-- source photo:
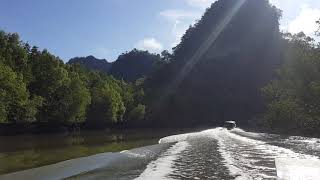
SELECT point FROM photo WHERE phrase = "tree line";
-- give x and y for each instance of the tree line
(293, 97)
(37, 87)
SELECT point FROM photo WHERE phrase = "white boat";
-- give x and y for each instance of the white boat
(230, 125)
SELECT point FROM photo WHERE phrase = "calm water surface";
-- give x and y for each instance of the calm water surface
(29, 151)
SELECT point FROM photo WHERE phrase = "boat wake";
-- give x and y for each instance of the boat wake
(160, 168)
(211, 153)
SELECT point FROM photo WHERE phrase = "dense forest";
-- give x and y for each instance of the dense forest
(293, 97)
(135, 64)
(229, 65)
(38, 88)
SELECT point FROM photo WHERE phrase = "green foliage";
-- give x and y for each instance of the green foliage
(49, 74)
(36, 86)
(81, 99)
(284, 114)
(70, 101)
(133, 65)
(16, 106)
(107, 105)
(294, 98)
(13, 53)
(138, 113)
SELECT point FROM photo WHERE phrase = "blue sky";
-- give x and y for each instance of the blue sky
(106, 28)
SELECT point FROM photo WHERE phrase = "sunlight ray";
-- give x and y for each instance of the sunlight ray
(204, 47)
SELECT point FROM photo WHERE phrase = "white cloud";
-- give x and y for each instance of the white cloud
(150, 44)
(178, 15)
(180, 20)
(305, 21)
(200, 3)
(101, 52)
(178, 33)
(298, 15)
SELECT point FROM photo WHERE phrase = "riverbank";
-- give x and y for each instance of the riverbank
(49, 128)
(56, 128)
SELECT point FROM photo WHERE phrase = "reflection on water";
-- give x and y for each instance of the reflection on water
(28, 151)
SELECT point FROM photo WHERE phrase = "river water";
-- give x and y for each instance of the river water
(210, 154)
(30, 151)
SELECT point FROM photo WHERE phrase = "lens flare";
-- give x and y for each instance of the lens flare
(204, 47)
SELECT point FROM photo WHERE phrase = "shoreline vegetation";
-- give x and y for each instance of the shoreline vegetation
(251, 73)
(56, 129)
(38, 129)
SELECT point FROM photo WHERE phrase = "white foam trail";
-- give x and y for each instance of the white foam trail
(274, 150)
(146, 152)
(312, 143)
(162, 167)
(132, 154)
(213, 133)
(294, 169)
(242, 154)
(268, 151)
(251, 134)
(228, 159)
(178, 138)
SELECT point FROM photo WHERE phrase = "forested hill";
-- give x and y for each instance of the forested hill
(129, 66)
(234, 64)
(135, 64)
(220, 66)
(92, 63)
